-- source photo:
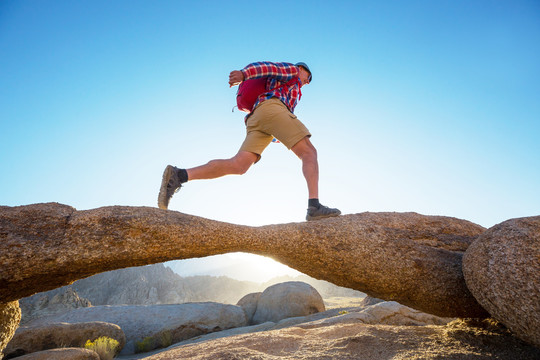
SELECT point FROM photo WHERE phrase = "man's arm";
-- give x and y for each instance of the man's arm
(280, 71)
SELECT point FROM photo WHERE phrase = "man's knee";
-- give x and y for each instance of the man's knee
(304, 149)
(241, 169)
(243, 161)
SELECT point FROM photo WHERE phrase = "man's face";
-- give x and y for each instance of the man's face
(303, 75)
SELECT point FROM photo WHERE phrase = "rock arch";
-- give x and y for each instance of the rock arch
(410, 258)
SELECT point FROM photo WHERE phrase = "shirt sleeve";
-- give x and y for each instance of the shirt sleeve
(281, 71)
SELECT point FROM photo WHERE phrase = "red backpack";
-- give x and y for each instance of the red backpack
(250, 90)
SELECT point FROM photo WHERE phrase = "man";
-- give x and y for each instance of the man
(271, 117)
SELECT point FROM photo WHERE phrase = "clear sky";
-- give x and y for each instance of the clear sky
(424, 106)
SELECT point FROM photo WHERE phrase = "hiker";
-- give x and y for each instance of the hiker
(271, 116)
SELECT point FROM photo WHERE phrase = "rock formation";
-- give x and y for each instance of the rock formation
(406, 257)
(10, 315)
(389, 313)
(286, 300)
(31, 339)
(248, 303)
(502, 270)
(138, 322)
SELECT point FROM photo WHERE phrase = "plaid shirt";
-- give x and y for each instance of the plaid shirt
(278, 74)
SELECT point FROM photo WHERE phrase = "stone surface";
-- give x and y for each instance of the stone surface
(356, 340)
(140, 321)
(30, 339)
(249, 304)
(389, 313)
(502, 270)
(406, 257)
(10, 316)
(286, 300)
(62, 354)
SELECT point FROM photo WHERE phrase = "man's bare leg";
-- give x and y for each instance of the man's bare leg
(173, 177)
(238, 164)
(305, 150)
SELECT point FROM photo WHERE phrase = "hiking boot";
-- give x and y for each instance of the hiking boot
(170, 184)
(322, 212)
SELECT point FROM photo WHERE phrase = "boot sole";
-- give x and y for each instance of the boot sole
(312, 218)
(162, 197)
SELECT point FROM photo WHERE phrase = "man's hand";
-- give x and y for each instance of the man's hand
(235, 78)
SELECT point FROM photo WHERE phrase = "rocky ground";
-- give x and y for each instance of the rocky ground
(360, 341)
(341, 334)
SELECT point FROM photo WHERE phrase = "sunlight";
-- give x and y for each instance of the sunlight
(261, 268)
(239, 266)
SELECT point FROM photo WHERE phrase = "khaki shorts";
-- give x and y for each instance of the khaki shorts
(272, 119)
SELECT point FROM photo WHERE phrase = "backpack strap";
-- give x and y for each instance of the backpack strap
(289, 83)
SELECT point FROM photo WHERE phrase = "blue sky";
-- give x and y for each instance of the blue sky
(424, 106)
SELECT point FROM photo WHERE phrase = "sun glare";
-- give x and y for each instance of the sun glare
(240, 266)
(260, 268)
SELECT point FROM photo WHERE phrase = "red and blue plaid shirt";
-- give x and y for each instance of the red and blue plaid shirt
(278, 74)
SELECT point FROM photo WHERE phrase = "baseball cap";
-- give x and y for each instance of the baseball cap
(304, 65)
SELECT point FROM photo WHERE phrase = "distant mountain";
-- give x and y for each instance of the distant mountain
(325, 288)
(219, 289)
(144, 285)
(51, 302)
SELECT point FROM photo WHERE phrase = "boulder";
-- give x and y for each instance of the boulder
(393, 313)
(383, 313)
(502, 270)
(406, 257)
(10, 316)
(180, 322)
(286, 300)
(249, 304)
(31, 339)
(62, 354)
